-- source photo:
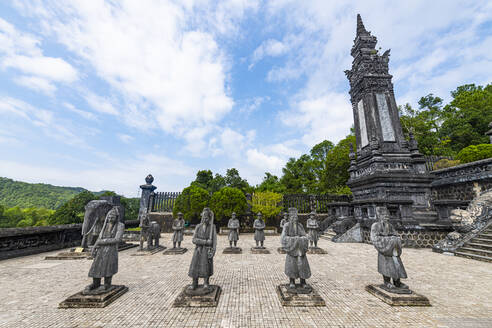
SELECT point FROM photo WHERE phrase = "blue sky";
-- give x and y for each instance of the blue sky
(98, 94)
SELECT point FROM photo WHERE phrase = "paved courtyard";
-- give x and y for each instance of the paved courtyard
(459, 290)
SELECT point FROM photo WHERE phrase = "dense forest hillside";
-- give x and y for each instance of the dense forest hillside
(25, 195)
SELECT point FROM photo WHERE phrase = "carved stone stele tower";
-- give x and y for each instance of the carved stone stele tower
(386, 168)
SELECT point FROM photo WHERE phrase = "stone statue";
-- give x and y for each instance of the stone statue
(284, 221)
(296, 244)
(95, 213)
(105, 253)
(205, 240)
(313, 229)
(150, 232)
(178, 227)
(233, 226)
(388, 245)
(259, 226)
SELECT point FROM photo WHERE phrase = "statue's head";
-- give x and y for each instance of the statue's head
(293, 214)
(286, 215)
(180, 215)
(259, 215)
(382, 214)
(113, 215)
(149, 179)
(233, 215)
(207, 215)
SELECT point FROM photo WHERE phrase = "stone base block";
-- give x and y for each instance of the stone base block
(80, 300)
(299, 299)
(280, 250)
(232, 250)
(259, 250)
(175, 251)
(146, 252)
(195, 299)
(412, 299)
(316, 250)
(124, 246)
(72, 255)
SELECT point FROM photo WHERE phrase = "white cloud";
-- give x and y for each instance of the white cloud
(21, 51)
(125, 138)
(85, 114)
(100, 104)
(264, 162)
(153, 56)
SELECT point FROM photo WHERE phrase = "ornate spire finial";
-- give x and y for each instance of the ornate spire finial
(360, 26)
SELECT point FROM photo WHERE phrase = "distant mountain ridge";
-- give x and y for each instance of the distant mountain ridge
(23, 194)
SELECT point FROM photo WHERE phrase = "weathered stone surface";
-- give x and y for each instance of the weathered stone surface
(232, 250)
(316, 250)
(210, 299)
(281, 250)
(80, 300)
(353, 235)
(175, 251)
(146, 252)
(299, 299)
(259, 250)
(412, 299)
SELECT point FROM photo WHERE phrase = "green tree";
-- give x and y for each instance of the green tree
(73, 210)
(267, 202)
(475, 153)
(467, 116)
(335, 175)
(298, 175)
(206, 180)
(270, 183)
(191, 203)
(226, 201)
(234, 180)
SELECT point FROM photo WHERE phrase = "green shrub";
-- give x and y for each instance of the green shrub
(266, 202)
(191, 202)
(475, 153)
(226, 201)
(24, 223)
(445, 163)
(73, 210)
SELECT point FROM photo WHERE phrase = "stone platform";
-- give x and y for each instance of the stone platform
(197, 298)
(412, 299)
(175, 251)
(146, 252)
(316, 250)
(232, 250)
(287, 298)
(259, 250)
(80, 300)
(78, 253)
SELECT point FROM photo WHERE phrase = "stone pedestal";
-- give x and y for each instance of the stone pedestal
(80, 253)
(259, 250)
(307, 297)
(232, 250)
(280, 250)
(175, 251)
(80, 300)
(198, 297)
(412, 299)
(316, 250)
(152, 251)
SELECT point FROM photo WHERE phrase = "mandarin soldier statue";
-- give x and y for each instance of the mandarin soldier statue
(178, 227)
(259, 226)
(388, 244)
(205, 240)
(313, 227)
(105, 253)
(233, 226)
(296, 244)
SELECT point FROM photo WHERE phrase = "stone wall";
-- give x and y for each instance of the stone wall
(457, 186)
(16, 242)
(165, 219)
(413, 238)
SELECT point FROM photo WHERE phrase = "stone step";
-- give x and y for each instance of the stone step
(474, 256)
(479, 239)
(487, 247)
(485, 235)
(475, 251)
(425, 216)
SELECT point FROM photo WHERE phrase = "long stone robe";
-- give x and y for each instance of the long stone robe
(296, 244)
(233, 226)
(105, 262)
(388, 245)
(202, 263)
(312, 227)
(259, 225)
(178, 226)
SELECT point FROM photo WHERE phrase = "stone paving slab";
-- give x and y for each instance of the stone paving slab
(458, 289)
